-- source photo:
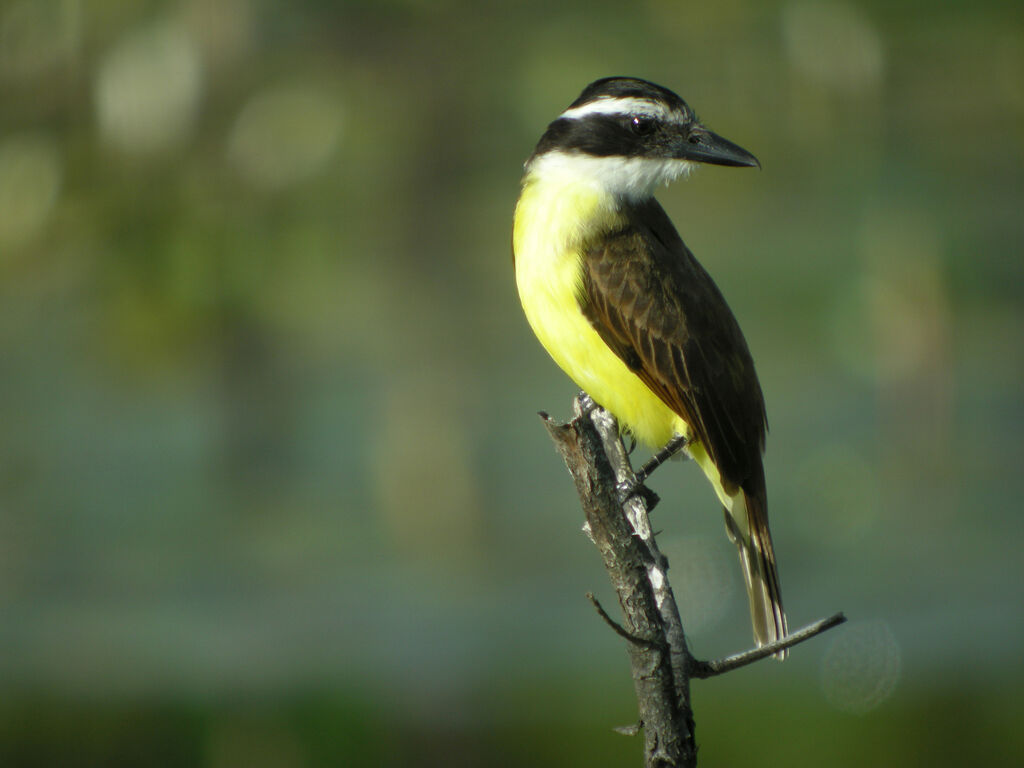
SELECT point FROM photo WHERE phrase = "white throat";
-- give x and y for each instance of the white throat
(630, 178)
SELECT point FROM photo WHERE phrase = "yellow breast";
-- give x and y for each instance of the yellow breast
(553, 219)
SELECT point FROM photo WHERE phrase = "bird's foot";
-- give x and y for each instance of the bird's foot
(672, 447)
(587, 404)
(627, 489)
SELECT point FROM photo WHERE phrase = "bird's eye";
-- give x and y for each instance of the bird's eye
(641, 125)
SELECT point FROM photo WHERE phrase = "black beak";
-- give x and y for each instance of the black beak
(703, 146)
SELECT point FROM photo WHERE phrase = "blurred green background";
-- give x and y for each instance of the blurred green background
(273, 492)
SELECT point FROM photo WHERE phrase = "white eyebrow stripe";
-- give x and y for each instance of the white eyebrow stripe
(620, 106)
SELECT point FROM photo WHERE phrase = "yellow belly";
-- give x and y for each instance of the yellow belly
(549, 276)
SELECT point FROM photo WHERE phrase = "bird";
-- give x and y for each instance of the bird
(626, 310)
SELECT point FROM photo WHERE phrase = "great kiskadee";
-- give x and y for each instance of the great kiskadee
(625, 309)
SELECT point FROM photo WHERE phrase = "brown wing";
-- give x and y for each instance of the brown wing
(660, 312)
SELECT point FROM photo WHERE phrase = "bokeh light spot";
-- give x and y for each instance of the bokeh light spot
(148, 89)
(861, 668)
(30, 176)
(832, 43)
(890, 322)
(285, 134)
(844, 497)
(700, 580)
(428, 499)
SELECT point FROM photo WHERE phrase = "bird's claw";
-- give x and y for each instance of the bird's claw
(587, 404)
(627, 489)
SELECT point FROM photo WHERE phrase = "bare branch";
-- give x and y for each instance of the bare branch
(662, 665)
(666, 717)
(705, 669)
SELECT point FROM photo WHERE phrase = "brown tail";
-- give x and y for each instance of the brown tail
(757, 556)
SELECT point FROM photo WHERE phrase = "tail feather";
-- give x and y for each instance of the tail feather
(757, 556)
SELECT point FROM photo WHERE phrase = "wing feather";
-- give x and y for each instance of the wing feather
(660, 312)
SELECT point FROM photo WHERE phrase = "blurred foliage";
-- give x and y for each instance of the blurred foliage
(272, 490)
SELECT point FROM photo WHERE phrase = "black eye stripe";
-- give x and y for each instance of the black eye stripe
(607, 134)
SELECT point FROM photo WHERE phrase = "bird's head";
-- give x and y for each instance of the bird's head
(629, 136)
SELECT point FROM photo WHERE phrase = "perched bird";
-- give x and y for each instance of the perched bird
(621, 304)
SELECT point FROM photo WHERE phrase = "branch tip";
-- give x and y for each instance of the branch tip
(620, 630)
(629, 730)
(706, 669)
